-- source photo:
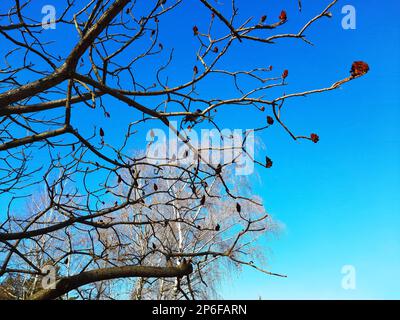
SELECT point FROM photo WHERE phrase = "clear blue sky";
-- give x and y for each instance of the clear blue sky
(339, 199)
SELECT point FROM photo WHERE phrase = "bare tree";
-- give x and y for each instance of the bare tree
(105, 214)
(207, 231)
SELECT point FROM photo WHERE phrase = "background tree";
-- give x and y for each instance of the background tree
(114, 215)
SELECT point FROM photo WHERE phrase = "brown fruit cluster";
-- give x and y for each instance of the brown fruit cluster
(268, 162)
(314, 137)
(263, 18)
(359, 68)
(283, 16)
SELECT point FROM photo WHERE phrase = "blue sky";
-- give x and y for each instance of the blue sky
(339, 199)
